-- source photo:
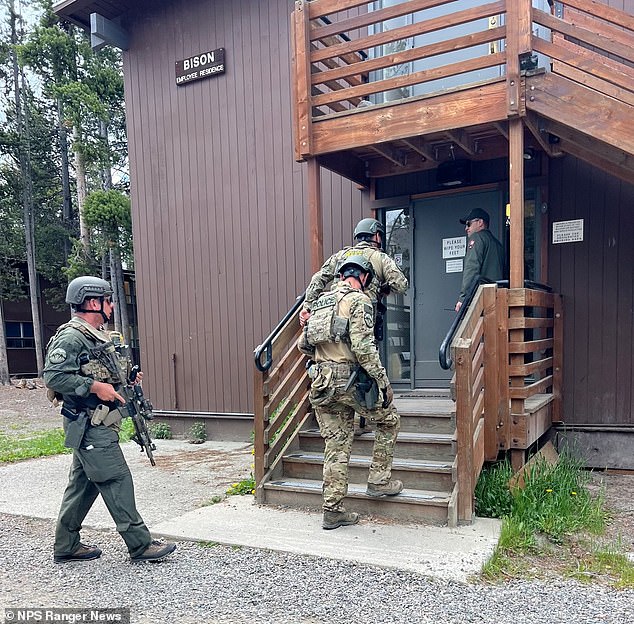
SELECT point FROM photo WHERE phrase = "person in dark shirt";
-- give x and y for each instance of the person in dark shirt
(485, 254)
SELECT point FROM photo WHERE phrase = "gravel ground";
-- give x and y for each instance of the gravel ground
(211, 583)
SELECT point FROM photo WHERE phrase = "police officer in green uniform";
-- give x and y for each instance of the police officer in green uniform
(339, 338)
(387, 277)
(485, 254)
(91, 424)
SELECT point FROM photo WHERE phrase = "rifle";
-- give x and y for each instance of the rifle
(138, 406)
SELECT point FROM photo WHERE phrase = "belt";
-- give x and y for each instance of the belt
(339, 369)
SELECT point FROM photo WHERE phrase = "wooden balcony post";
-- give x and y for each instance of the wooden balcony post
(301, 83)
(516, 195)
(464, 429)
(504, 413)
(491, 367)
(315, 215)
(558, 359)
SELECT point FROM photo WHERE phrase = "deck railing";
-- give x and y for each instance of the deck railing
(281, 400)
(348, 56)
(508, 349)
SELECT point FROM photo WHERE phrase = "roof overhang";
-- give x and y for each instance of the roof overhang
(79, 11)
(99, 17)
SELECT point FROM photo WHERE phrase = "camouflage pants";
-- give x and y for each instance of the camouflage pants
(336, 424)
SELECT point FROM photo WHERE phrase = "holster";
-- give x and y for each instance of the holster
(74, 427)
(366, 391)
(103, 415)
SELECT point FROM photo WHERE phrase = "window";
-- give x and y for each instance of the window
(20, 335)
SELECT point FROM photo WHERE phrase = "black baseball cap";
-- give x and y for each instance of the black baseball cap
(476, 213)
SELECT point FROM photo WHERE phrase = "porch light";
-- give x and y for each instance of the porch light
(529, 153)
(453, 173)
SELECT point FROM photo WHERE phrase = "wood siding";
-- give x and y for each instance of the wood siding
(219, 205)
(596, 279)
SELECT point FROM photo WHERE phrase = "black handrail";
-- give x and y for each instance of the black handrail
(443, 352)
(268, 343)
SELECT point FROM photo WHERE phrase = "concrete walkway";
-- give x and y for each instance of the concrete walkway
(174, 498)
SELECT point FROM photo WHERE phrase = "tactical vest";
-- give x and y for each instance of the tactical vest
(325, 324)
(89, 366)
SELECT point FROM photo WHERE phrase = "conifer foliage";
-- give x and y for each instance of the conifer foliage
(64, 206)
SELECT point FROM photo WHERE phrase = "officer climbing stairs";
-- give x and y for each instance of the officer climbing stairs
(424, 460)
(289, 450)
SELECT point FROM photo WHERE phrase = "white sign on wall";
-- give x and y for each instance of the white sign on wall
(453, 266)
(398, 259)
(454, 247)
(568, 231)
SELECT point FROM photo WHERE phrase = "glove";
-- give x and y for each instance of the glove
(388, 395)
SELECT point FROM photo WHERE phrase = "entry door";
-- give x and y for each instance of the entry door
(437, 279)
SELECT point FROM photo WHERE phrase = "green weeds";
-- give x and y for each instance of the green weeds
(549, 517)
(246, 486)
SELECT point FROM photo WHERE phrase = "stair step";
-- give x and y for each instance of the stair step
(414, 473)
(410, 505)
(411, 445)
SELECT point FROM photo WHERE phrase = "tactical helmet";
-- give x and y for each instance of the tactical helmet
(368, 228)
(353, 266)
(85, 287)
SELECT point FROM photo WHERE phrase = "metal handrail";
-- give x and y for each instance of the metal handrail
(267, 345)
(443, 353)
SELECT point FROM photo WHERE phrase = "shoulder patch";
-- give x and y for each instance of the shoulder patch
(368, 314)
(57, 356)
(471, 243)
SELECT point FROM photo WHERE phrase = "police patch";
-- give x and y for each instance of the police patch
(471, 243)
(57, 356)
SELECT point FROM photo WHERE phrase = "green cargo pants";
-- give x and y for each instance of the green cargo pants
(99, 468)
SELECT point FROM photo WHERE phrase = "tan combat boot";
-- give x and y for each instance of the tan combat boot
(335, 519)
(82, 553)
(391, 488)
(155, 551)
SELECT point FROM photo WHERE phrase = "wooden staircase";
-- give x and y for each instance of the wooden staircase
(424, 459)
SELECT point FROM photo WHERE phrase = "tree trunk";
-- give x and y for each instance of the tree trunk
(5, 379)
(125, 322)
(116, 295)
(23, 128)
(106, 172)
(80, 174)
(67, 207)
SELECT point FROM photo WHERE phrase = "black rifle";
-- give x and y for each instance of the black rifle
(138, 406)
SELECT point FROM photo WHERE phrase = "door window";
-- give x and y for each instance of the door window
(397, 335)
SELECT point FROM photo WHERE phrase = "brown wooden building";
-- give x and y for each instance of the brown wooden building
(432, 107)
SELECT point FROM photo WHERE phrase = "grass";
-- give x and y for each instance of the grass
(550, 518)
(36, 444)
(16, 447)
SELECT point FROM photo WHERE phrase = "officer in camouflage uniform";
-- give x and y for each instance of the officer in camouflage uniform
(485, 254)
(387, 278)
(91, 425)
(339, 338)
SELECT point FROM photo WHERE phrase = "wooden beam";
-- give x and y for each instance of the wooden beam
(418, 145)
(303, 145)
(347, 165)
(395, 156)
(531, 121)
(463, 140)
(604, 156)
(315, 216)
(379, 124)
